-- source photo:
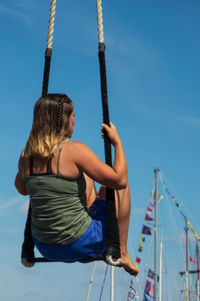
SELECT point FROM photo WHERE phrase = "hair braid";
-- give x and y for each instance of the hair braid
(60, 116)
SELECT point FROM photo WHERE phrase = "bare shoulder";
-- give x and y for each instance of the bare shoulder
(76, 147)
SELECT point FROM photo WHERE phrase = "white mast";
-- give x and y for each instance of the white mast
(160, 279)
(112, 280)
(186, 295)
(156, 171)
(91, 281)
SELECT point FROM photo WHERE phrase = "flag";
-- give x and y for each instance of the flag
(148, 218)
(149, 209)
(145, 298)
(130, 295)
(149, 288)
(146, 230)
(191, 259)
(138, 260)
(151, 274)
(142, 238)
(140, 247)
(151, 203)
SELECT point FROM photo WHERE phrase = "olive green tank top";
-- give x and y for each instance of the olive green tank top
(58, 214)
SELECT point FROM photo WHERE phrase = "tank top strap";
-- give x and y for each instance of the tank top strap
(58, 160)
(49, 167)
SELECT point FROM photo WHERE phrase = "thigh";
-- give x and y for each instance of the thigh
(91, 191)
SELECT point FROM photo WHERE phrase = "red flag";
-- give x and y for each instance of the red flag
(149, 209)
(191, 259)
(148, 218)
(138, 260)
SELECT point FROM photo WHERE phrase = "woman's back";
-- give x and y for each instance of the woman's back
(56, 203)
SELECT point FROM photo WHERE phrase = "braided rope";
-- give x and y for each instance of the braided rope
(51, 24)
(100, 21)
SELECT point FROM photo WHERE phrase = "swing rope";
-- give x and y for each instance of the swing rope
(27, 253)
(113, 244)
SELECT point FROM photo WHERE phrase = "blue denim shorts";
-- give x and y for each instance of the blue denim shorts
(92, 242)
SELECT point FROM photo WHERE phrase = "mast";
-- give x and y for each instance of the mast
(156, 171)
(160, 279)
(197, 288)
(91, 281)
(112, 279)
(186, 295)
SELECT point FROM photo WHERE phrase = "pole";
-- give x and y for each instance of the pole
(112, 280)
(156, 171)
(160, 279)
(91, 281)
(197, 288)
(186, 295)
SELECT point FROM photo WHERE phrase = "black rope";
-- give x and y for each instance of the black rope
(47, 64)
(28, 244)
(113, 243)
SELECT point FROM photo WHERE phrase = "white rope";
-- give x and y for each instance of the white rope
(115, 263)
(100, 21)
(51, 23)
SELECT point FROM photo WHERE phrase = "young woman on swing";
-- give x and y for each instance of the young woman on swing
(68, 215)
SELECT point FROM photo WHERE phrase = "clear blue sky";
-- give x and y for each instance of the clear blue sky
(153, 68)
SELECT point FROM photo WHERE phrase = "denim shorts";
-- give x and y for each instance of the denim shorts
(92, 242)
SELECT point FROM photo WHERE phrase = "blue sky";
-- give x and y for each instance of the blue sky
(152, 59)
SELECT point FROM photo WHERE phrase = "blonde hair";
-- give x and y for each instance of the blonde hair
(50, 125)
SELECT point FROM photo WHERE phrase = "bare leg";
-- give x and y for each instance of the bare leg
(123, 206)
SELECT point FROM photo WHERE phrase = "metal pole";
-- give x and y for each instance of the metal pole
(91, 281)
(156, 171)
(160, 279)
(198, 290)
(186, 295)
(112, 280)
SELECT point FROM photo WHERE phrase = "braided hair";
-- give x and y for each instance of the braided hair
(50, 125)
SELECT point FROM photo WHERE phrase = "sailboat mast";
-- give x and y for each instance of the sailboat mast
(91, 281)
(156, 171)
(160, 279)
(112, 280)
(186, 296)
(198, 291)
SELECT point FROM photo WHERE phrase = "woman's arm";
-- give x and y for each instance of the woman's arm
(114, 177)
(19, 180)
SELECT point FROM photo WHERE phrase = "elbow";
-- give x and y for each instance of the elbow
(122, 183)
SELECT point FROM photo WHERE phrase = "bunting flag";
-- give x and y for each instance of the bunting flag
(149, 288)
(148, 218)
(191, 259)
(138, 260)
(149, 209)
(151, 274)
(151, 203)
(195, 233)
(142, 238)
(132, 293)
(140, 247)
(146, 230)
(145, 298)
(179, 205)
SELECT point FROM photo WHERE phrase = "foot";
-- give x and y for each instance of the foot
(128, 266)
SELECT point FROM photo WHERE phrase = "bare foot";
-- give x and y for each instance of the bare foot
(128, 266)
